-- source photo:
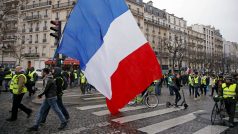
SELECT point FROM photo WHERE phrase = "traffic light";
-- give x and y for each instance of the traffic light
(57, 29)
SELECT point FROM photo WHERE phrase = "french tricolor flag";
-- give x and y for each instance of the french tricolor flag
(113, 53)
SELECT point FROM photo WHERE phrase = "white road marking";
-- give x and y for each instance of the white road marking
(91, 107)
(106, 112)
(159, 127)
(94, 98)
(72, 131)
(145, 115)
(211, 129)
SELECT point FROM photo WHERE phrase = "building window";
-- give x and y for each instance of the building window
(30, 40)
(57, 16)
(46, 13)
(36, 38)
(29, 50)
(44, 38)
(36, 48)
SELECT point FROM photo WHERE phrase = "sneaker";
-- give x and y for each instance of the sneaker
(62, 125)
(33, 128)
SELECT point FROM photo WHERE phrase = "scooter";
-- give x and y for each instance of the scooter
(184, 104)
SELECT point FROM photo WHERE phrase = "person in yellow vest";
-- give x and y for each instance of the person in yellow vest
(76, 78)
(203, 87)
(230, 95)
(32, 78)
(7, 78)
(213, 84)
(196, 85)
(191, 84)
(18, 89)
(83, 82)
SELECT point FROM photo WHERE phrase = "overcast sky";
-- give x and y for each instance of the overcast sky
(223, 14)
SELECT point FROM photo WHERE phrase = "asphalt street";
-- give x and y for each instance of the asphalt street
(89, 115)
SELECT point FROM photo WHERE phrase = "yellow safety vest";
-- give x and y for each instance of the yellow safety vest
(190, 80)
(31, 75)
(75, 75)
(196, 80)
(14, 84)
(229, 92)
(204, 80)
(8, 76)
(83, 78)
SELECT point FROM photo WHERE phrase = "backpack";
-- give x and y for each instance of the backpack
(65, 83)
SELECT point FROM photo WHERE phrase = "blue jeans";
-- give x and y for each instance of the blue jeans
(47, 103)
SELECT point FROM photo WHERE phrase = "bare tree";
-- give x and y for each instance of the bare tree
(176, 48)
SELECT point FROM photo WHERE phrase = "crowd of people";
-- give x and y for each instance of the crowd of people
(55, 81)
(199, 84)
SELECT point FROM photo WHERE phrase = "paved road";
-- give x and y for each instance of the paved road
(89, 114)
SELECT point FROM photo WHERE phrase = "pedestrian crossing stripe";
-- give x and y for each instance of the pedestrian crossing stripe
(131, 108)
(130, 118)
(94, 98)
(215, 129)
(164, 125)
(91, 107)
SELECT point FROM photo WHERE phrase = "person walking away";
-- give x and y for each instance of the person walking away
(72, 79)
(191, 84)
(76, 78)
(59, 80)
(230, 95)
(176, 89)
(204, 85)
(18, 89)
(82, 82)
(7, 78)
(171, 83)
(196, 85)
(32, 78)
(213, 85)
(207, 84)
(50, 92)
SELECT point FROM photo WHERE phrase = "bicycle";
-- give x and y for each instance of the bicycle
(218, 111)
(149, 98)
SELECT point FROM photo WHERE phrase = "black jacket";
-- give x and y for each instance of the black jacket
(50, 89)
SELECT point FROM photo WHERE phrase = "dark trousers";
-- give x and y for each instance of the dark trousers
(230, 105)
(196, 91)
(204, 87)
(177, 95)
(171, 91)
(201, 88)
(83, 87)
(17, 104)
(214, 88)
(61, 107)
(191, 90)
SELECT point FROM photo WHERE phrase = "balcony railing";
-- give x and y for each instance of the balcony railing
(32, 18)
(9, 38)
(64, 5)
(136, 12)
(13, 29)
(155, 22)
(6, 1)
(36, 5)
(31, 55)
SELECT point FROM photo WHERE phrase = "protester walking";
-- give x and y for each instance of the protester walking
(60, 82)
(18, 89)
(50, 92)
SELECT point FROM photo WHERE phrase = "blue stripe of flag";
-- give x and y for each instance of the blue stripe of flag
(86, 27)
